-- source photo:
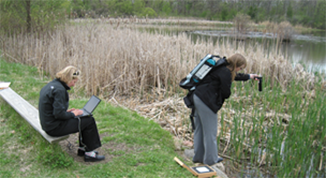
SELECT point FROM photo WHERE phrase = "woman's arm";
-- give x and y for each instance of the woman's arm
(225, 82)
(60, 106)
(245, 77)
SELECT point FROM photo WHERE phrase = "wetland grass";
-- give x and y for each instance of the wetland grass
(281, 129)
(285, 132)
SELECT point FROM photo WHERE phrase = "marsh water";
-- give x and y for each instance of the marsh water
(306, 49)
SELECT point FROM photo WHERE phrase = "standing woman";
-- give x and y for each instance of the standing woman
(57, 120)
(208, 99)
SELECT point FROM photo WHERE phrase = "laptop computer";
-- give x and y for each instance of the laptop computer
(89, 107)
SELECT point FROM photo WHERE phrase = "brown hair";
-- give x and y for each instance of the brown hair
(235, 61)
(68, 74)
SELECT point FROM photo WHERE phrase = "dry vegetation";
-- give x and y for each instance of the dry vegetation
(164, 24)
(282, 31)
(138, 70)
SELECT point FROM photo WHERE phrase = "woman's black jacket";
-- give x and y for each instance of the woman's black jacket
(53, 104)
(216, 87)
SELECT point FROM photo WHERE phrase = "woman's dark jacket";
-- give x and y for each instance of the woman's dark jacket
(53, 104)
(216, 87)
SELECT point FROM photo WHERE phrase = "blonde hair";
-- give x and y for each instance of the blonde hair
(68, 74)
(236, 60)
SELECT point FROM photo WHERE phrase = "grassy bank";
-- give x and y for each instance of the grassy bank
(134, 146)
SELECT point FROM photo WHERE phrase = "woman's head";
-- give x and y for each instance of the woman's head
(69, 75)
(236, 62)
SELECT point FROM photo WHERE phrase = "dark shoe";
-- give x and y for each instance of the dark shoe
(93, 159)
(81, 152)
(219, 159)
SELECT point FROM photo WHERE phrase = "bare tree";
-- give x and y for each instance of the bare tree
(28, 15)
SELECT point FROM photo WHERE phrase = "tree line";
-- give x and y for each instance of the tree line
(39, 15)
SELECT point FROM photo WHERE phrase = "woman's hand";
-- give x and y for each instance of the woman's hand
(254, 76)
(70, 110)
(77, 112)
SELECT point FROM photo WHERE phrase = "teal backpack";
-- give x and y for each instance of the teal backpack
(200, 71)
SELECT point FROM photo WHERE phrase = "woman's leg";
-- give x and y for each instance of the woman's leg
(208, 121)
(66, 127)
(89, 133)
(198, 140)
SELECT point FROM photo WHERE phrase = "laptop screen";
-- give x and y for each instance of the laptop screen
(91, 104)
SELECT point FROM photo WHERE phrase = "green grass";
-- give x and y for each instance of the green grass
(148, 149)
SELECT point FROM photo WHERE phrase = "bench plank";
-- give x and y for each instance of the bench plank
(28, 112)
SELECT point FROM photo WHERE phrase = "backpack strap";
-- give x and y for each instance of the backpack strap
(221, 62)
(192, 119)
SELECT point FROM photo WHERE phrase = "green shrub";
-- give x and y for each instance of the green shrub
(147, 12)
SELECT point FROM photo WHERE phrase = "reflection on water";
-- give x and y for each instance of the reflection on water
(313, 54)
(309, 50)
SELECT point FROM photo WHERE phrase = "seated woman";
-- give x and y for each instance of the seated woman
(57, 120)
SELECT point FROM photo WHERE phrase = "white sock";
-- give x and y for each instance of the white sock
(91, 154)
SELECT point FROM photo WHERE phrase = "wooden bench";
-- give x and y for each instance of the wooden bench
(28, 112)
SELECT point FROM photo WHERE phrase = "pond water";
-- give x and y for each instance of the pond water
(307, 49)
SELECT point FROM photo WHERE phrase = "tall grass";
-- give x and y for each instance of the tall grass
(273, 129)
(282, 131)
(119, 60)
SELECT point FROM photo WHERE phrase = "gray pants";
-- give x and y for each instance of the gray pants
(205, 144)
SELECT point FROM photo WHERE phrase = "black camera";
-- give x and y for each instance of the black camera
(260, 87)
